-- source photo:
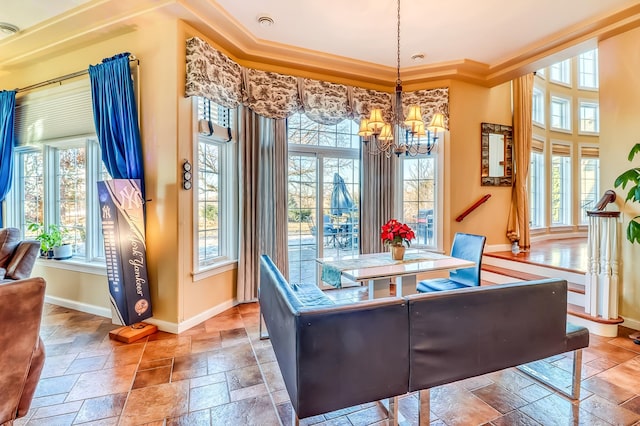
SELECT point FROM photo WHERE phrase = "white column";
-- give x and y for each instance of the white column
(601, 280)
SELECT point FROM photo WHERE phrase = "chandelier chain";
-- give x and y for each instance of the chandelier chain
(398, 81)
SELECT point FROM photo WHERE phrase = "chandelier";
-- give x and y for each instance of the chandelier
(412, 137)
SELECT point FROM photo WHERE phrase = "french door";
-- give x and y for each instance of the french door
(323, 208)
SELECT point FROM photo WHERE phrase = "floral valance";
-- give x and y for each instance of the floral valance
(215, 76)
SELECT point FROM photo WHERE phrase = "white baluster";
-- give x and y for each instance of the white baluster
(605, 276)
(613, 300)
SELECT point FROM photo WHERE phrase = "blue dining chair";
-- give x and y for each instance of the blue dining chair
(467, 247)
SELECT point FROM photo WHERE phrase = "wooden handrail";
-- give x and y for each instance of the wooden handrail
(473, 207)
(609, 196)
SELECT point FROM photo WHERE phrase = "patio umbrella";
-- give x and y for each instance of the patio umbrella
(341, 201)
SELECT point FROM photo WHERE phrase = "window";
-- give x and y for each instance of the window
(57, 181)
(561, 195)
(57, 163)
(323, 193)
(589, 117)
(538, 106)
(536, 185)
(561, 72)
(419, 197)
(588, 69)
(589, 178)
(213, 183)
(541, 73)
(560, 113)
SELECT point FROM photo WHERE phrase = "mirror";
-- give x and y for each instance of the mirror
(497, 154)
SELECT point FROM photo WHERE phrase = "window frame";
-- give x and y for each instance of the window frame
(539, 201)
(581, 119)
(566, 118)
(438, 210)
(228, 209)
(566, 195)
(564, 69)
(538, 105)
(593, 67)
(94, 249)
(583, 219)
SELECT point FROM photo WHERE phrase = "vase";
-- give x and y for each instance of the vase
(397, 252)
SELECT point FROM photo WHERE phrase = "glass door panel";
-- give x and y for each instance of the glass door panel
(323, 211)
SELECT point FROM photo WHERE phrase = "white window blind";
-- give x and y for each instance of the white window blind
(54, 113)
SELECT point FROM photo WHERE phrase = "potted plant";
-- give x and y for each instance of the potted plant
(51, 239)
(632, 177)
(395, 234)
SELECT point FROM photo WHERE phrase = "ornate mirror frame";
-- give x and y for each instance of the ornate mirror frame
(496, 132)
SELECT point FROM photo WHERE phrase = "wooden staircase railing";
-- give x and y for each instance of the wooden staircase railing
(473, 207)
(601, 280)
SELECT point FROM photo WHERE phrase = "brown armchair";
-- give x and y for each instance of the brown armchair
(21, 350)
(16, 257)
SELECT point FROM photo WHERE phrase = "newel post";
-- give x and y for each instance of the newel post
(603, 245)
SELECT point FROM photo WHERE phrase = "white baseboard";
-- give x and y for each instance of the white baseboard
(193, 321)
(631, 323)
(167, 326)
(79, 306)
(537, 238)
(497, 247)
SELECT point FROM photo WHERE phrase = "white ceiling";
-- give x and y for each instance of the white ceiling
(27, 13)
(489, 31)
(486, 41)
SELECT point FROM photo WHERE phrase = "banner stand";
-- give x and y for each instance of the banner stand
(123, 229)
(133, 332)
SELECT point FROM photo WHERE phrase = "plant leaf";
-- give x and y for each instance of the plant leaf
(633, 231)
(631, 175)
(634, 151)
(631, 194)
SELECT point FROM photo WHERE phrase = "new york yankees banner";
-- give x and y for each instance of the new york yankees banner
(121, 209)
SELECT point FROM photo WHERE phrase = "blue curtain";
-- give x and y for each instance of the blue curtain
(7, 118)
(116, 117)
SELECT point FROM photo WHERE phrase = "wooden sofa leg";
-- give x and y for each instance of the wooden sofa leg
(574, 394)
(424, 407)
(393, 411)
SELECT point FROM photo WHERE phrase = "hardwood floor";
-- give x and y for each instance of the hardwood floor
(220, 373)
(568, 254)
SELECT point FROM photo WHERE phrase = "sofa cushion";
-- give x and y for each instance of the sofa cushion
(9, 240)
(23, 259)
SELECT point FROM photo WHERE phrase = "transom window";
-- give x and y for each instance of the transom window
(588, 69)
(560, 72)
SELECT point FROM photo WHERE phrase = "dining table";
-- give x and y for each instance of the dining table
(378, 269)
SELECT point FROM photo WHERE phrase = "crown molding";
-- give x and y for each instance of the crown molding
(102, 19)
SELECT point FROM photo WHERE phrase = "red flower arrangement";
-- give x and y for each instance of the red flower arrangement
(396, 233)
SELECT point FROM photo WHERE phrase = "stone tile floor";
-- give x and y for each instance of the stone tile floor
(220, 373)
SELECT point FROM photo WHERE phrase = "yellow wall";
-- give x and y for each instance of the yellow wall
(470, 105)
(168, 127)
(159, 44)
(619, 131)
